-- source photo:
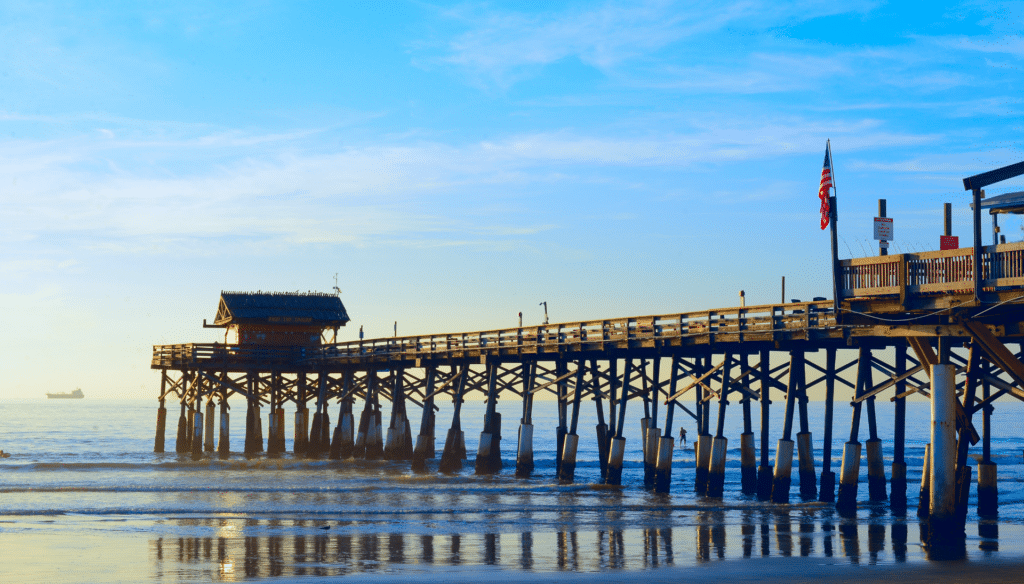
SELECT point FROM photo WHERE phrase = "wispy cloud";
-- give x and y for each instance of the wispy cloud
(503, 47)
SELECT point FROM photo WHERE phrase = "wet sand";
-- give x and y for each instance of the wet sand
(761, 570)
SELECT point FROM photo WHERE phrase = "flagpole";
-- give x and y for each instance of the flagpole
(833, 219)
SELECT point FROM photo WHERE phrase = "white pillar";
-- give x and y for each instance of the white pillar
(943, 471)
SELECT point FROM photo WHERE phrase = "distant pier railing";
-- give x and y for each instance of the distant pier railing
(933, 272)
(770, 322)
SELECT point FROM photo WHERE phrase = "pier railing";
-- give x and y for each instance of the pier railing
(770, 322)
(933, 272)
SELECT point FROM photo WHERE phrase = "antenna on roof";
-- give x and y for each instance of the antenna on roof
(336, 289)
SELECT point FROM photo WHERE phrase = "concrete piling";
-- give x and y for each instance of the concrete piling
(224, 443)
(924, 499)
(615, 456)
(161, 428)
(663, 471)
(988, 489)
(898, 486)
(454, 443)
(942, 498)
(343, 439)
(808, 475)
(703, 461)
(650, 455)
(182, 439)
(748, 464)
(300, 443)
(197, 435)
(876, 470)
(524, 451)
(849, 474)
(568, 470)
(211, 420)
(783, 471)
(716, 466)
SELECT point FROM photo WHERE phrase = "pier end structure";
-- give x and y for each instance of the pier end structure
(263, 333)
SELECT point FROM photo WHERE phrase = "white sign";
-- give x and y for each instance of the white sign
(883, 244)
(883, 228)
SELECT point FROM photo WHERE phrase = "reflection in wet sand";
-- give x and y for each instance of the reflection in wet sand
(249, 549)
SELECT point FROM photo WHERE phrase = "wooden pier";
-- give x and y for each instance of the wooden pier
(938, 324)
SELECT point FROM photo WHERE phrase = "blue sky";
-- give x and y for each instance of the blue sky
(456, 163)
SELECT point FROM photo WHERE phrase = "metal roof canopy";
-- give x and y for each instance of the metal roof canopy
(1005, 203)
(975, 184)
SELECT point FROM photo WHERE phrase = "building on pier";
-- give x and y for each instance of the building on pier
(279, 318)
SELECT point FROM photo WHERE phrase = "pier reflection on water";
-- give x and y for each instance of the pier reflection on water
(257, 548)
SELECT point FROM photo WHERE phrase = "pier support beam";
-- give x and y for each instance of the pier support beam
(451, 458)
(827, 491)
(924, 498)
(524, 447)
(399, 441)
(197, 431)
(617, 450)
(666, 443)
(988, 489)
(720, 444)
(424, 449)
(567, 472)
(942, 508)
(343, 441)
(748, 455)
(488, 456)
(898, 482)
(161, 425)
(702, 445)
(211, 419)
(850, 473)
(764, 471)
(375, 430)
(784, 451)
(876, 465)
(224, 444)
(602, 431)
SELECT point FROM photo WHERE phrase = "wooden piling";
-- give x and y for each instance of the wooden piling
(988, 486)
(898, 481)
(224, 443)
(524, 445)
(602, 431)
(924, 498)
(161, 426)
(488, 456)
(849, 475)
(784, 451)
(210, 420)
(805, 444)
(424, 449)
(720, 444)
(618, 443)
(567, 471)
(451, 457)
(764, 471)
(827, 491)
(343, 441)
(666, 445)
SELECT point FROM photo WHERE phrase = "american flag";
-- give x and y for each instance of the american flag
(824, 186)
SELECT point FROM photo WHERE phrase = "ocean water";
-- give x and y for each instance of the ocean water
(84, 498)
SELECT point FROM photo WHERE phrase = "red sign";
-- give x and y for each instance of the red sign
(949, 242)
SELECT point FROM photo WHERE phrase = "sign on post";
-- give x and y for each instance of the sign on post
(883, 228)
(949, 242)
